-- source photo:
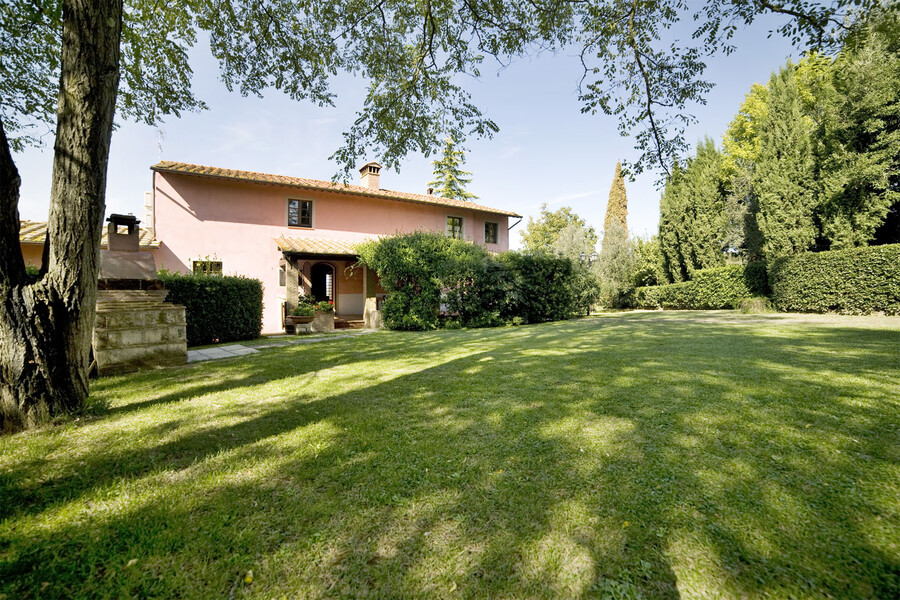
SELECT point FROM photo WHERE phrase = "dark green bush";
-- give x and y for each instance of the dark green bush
(542, 287)
(853, 281)
(217, 309)
(720, 287)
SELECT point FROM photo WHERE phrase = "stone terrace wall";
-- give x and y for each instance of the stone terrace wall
(135, 329)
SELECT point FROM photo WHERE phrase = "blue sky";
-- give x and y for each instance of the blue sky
(546, 150)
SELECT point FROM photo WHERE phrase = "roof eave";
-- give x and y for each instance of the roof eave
(351, 192)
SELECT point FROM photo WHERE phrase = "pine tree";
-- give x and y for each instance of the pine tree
(449, 179)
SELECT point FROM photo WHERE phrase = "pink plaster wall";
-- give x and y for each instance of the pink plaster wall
(32, 254)
(236, 222)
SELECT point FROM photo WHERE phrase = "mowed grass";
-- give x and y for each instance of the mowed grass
(638, 455)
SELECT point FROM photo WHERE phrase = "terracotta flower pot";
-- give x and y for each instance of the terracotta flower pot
(296, 319)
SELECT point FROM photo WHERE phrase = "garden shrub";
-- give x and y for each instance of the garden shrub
(719, 287)
(422, 271)
(432, 281)
(852, 281)
(217, 308)
(542, 287)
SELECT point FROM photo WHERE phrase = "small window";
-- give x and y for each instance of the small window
(300, 213)
(282, 277)
(455, 227)
(207, 267)
(490, 233)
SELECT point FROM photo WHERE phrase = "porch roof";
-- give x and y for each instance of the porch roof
(296, 245)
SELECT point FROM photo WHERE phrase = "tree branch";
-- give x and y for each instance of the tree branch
(648, 92)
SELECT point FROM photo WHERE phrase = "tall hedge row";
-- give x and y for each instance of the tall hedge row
(720, 287)
(217, 308)
(853, 281)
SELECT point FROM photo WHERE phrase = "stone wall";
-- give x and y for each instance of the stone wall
(135, 329)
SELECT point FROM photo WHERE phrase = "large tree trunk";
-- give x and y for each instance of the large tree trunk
(45, 326)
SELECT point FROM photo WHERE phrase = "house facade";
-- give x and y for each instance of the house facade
(297, 235)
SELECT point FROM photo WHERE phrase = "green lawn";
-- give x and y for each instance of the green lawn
(654, 455)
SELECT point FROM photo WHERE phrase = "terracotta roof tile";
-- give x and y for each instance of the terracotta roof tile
(316, 184)
(316, 246)
(32, 232)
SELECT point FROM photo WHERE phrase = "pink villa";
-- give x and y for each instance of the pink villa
(296, 235)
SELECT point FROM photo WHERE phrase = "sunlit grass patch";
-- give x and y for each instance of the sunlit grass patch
(641, 455)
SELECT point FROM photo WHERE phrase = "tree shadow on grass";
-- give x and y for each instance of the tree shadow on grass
(585, 459)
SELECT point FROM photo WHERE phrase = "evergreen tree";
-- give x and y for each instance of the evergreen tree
(617, 206)
(671, 215)
(647, 262)
(449, 179)
(740, 148)
(692, 216)
(784, 175)
(859, 137)
(616, 265)
(705, 222)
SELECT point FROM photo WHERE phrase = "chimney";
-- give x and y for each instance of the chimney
(430, 191)
(123, 233)
(369, 176)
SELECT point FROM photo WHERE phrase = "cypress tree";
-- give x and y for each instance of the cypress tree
(784, 176)
(693, 221)
(671, 216)
(705, 220)
(617, 206)
(859, 139)
(450, 180)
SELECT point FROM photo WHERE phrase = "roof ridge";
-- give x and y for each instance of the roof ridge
(339, 187)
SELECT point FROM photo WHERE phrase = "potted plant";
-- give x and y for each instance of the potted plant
(304, 313)
(324, 320)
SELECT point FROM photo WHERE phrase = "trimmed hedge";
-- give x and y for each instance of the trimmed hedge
(721, 287)
(852, 281)
(542, 287)
(217, 308)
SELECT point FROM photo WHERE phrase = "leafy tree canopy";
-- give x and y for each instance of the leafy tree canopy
(411, 53)
(542, 235)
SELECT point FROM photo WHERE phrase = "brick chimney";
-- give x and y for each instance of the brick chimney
(369, 175)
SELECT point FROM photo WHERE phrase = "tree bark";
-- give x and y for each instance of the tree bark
(46, 326)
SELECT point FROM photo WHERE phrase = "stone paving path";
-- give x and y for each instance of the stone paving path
(241, 350)
(219, 352)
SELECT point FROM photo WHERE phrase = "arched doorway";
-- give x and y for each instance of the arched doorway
(322, 282)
